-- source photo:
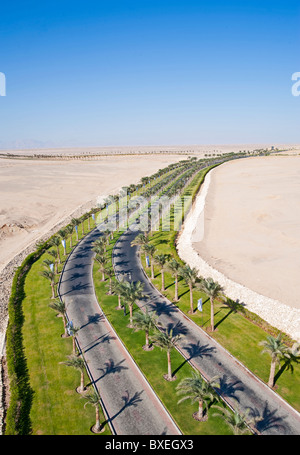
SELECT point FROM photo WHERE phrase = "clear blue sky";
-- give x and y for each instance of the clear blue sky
(121, 72)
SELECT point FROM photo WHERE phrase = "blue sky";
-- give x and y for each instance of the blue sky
(105, 73)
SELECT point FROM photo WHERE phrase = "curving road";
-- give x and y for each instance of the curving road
(205, 354)
(131, 404)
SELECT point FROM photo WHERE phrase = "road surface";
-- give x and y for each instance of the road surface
(131, 404)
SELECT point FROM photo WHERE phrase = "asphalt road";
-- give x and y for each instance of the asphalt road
(238, 385)
(130, 402)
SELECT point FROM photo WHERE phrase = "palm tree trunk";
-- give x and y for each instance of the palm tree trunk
(119, 302)
(200, 411)
(53, 290)
(103, 276)
(212, 313)
(65, 324)
(272, 374)
(191, 299)
(81, 381)
(97, 424)
(176, 288)
(162, 280)
(147, 338)
(130, 315)
(169, 365)
(152, 269)
(58, 255)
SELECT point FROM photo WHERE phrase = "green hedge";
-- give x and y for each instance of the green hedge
(17, 418)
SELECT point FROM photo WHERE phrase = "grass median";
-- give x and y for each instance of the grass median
(153, 363)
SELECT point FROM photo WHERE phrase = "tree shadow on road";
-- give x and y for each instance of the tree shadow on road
(128, 402)
(111, 367)
(93, 319)
(196, 350)
(267, 420)
(229, 388)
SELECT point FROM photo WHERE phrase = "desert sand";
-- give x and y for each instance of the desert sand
(36, 195)
(198, 149)
(244, 232)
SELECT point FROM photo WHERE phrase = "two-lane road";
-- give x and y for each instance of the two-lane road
(131, 404)
(210, 358)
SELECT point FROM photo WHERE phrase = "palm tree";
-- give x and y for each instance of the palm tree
(141, 240)
(102, 261)
(131, 292)
(161, 260)
(82, 224)
(55, 241)
(51, 277)
(74, 331)
(175, 267)
(77, 363)
(93, 399)
(100, 243)
(190, 276)
(276, 349)
(53, 253)
(48, 263)
(93, 212)
(69, 230)
(166, 341)
(237, 420)
(198, 391)
(99, 249)
(146, 321)
(109, 272)
(75, 222)
(107, 235)
(150, 250)
(60, 307)
(116, 288)
(213, 290)
(63, 233)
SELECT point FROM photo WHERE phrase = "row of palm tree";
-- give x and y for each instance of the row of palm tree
(130, 292)
(76, 361)
(190, 275)
(274, 346)
(195, 387)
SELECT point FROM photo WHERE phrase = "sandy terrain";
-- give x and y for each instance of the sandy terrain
(244, 231)
(35, 195)
(194, 149)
